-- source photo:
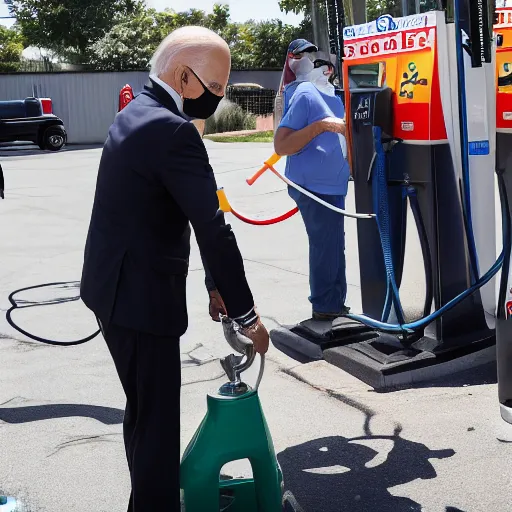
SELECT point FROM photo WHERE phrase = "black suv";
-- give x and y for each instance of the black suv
(32, 120)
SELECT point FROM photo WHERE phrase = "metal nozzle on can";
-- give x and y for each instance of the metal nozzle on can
(235, 365)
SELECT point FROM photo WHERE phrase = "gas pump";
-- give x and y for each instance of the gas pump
(422, 136)
(503, 36)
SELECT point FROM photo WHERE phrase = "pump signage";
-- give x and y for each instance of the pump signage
(404, 52)
(503, 35)
(362, 112)
(387, 23)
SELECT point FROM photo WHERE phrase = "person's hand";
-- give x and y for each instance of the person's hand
(333, 124)
(217, 306)
(258, 334)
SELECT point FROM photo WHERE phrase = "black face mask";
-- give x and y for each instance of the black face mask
(202, 107)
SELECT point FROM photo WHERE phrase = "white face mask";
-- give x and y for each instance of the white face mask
(321, 81)
(301, 67)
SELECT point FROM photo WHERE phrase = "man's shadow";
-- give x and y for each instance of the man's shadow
(28, 414)
(336, 474)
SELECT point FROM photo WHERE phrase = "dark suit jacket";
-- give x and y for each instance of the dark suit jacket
(154, 178)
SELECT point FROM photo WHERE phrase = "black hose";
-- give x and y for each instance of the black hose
(502, 187)
(425, 249)
(14, 305)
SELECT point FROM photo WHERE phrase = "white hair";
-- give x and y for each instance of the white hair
(178, 41)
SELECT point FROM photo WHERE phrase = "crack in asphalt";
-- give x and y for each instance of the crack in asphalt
(85, 440)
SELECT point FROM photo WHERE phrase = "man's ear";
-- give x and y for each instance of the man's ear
(185, 76)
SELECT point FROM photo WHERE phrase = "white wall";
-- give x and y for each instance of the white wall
(88, 102)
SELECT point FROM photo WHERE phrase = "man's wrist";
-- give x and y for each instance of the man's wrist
(320, 127)
(247, 320)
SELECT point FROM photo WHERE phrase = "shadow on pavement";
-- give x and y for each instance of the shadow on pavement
(33, 150)
(105, 415)
(336, 474)
(481, 375)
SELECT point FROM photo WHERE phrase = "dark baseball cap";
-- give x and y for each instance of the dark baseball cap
(300, 46)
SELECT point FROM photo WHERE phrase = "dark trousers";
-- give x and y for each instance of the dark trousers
(326, 233)
(149, 369)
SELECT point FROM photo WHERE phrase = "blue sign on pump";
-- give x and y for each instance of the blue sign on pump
(480, 147)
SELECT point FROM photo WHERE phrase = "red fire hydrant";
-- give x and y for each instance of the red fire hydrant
(125, 96)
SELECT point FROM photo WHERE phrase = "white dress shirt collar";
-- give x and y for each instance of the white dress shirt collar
(172, 93)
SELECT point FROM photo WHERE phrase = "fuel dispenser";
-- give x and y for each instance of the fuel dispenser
(422, 137)
(503, 37)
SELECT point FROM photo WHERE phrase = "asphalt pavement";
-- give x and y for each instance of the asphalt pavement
(439, 447)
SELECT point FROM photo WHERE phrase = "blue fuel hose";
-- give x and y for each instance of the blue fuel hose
(409, 328)
(464, 144)
(381, 209)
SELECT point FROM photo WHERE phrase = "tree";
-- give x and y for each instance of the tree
(11, 46)
(69, 27)
(128, 45)
(374, 8)
(263, 44)
(131, 42)
(295, 6)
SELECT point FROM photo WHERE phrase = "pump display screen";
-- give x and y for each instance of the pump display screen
(364, 75)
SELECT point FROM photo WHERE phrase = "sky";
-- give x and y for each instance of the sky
(241, 10)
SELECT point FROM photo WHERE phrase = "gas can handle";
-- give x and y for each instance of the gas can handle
(260, 373)
(243, 345)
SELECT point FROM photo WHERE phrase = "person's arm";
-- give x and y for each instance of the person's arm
(188, 177)
(288, 141)
(208, 279)
(217, 306)
(296, 131)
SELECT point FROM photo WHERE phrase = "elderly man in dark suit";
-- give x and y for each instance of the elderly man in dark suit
(154, 181)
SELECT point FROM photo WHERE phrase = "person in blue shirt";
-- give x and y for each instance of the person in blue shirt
(311, 135)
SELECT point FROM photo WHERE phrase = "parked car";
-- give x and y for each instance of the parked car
(32, 120)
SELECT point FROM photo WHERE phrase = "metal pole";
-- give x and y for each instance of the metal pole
(405, 7)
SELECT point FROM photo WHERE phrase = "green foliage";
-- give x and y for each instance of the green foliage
(123, 34)
(11, 46)
(251, 137)
(128, 45)
(374, 8)
(131, 42)
(229, 118)
(115, 35)
(295, 6)
(69, 27)
(262, 45)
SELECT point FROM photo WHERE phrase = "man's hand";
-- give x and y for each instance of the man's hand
(258, 334)
(333, 124)
(217, 306)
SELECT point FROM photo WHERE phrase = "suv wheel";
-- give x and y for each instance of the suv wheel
(54, 138)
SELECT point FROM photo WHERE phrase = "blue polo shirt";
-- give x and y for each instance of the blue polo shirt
(320, 166)
(288, 92)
